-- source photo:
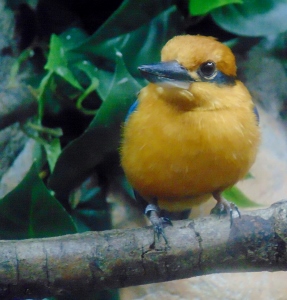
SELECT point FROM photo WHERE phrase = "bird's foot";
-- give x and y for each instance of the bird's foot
(224, 207)
(159, 223)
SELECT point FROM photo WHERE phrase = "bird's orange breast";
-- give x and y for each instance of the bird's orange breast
(171, 153)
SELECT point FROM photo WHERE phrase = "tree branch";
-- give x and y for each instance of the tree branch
(93, 261)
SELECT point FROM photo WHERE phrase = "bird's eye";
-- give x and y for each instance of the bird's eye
(207, 69)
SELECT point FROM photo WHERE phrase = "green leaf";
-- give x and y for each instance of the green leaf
(79, 159)
(46, 137)
(248, 176)
(24, 56)
(92, 72)
(71, 38)
(102, 137)
(56, 55)
(128, 17)
(43, 91)
(65, 73)
(199, 7)
(57, 62)
(253, 17)
(123, 91)
(117, 86)
(53, 151)
(143, 41)
(235, 196)
(30, 211)
(88, 68)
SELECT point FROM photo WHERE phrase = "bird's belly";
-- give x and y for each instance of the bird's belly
(186, 160)
(183, 175)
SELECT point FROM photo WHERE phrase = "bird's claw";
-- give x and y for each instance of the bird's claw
(158, 231)
(166, 221)
(225, 207)
(159, 223)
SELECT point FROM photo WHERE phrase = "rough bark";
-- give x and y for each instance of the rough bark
(92, 261)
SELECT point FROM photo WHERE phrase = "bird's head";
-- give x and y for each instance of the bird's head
(194, 68)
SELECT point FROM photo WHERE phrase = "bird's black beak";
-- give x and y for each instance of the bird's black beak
(168, 74)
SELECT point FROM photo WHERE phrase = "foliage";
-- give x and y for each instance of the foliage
(30, 211)
(234, 195)
(245, 18)
(198, 7)
(253, 17)
(79, 65)
(97, 76)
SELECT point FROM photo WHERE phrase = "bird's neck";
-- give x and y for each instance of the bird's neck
(180, 99)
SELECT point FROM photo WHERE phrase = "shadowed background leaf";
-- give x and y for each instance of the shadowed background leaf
(30, 211)
(253, 17)
(117, 89)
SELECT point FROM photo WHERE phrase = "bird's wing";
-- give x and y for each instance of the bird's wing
(256, 113)
(132, 109)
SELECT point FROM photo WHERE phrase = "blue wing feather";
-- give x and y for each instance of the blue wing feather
(256, 114)
(132, 109)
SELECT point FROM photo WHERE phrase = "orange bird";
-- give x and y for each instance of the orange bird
(193, 131)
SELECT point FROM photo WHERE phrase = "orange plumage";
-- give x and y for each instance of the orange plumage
(194, 132)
